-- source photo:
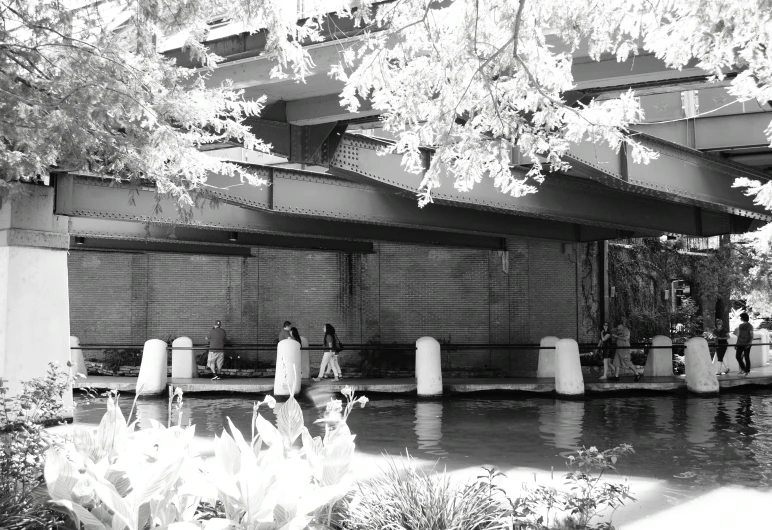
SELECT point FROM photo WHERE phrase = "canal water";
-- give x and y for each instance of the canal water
(688, 445)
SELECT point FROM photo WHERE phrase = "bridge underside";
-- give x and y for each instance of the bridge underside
(331, 188)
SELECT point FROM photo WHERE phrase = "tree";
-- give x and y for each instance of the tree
(85, 89)
(481, 79)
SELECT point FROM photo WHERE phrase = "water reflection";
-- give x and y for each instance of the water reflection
(428, 428)
(561, 425)
(691, 442)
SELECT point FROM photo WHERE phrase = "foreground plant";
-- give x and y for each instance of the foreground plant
(23, 442)
(407, 497)
(584, 497)
(117, 478)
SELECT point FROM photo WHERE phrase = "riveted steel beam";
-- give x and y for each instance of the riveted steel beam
(679, 175)
(560, 198)
(103, 200)
(150, 237)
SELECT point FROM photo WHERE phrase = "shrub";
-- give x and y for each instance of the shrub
(409, 498)
(23, 442)
(137, 479)
(574, 508)
(377, 361)
(117, 357)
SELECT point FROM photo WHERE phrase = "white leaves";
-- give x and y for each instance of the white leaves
(290, 420)
(268, 432)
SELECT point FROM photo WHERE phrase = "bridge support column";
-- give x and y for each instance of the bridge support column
(34, 296)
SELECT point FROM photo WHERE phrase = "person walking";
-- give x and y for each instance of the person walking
(605, 350)
(744, 334)
(216, 355)
(622, 356)
(330, 344)
(285, 331)
(722, 337)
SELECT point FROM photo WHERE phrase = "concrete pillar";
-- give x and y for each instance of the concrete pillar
(758, 359)
(287, 378)
(34, 296)
(78, 363)
(546, 367)
(660, 360)
(305, 359)
(153, 372)
(700, 377)
(730, 359)
(184, 365)
(428, 367)
(765, 336)
(568, 369)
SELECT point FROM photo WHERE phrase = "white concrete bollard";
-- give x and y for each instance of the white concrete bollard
(659, 363)
(287, 378)
(546, 367)
(568, 369)
(153, 372)
(765, 336)
(428, 367)
(700, 377)
(78, 364)
(184, 365)
(305, 359)
(730, 358)
(758, 359)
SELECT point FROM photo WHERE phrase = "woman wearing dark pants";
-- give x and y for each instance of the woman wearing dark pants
(721, 334)
(744, 334)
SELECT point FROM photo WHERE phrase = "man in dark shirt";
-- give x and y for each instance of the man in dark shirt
(216, 357)
(744, 334)
(285, 332)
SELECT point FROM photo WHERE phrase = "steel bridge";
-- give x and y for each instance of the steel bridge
(331, 189)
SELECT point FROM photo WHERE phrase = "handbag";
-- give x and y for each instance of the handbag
(338, 344)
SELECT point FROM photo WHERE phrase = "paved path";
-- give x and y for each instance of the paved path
(759, 376)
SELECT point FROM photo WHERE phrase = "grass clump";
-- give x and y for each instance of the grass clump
(407, 497)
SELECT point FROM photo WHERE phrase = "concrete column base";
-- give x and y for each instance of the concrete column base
(758, 357)
(568, 369)
(287, 376)
(184, 365)
(153, 372)
(34, 294)
(428, 367)
(659, 363)
(700, 377)
(546, 367)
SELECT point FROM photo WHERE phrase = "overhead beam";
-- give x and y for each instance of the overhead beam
(149, 237)
(560, 197)
(92, 198)
(679, 174)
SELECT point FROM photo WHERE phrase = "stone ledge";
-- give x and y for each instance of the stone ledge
(14, 237)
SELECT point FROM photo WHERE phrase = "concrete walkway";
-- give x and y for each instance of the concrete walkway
(759, 376)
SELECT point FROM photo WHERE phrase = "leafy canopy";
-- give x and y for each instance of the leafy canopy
(84, 87)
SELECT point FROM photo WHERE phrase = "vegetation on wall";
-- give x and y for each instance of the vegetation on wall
(641, 273)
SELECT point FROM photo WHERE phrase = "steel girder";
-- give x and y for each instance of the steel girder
(311, 204)
(679, 175)
(714, 133)
(560, 197)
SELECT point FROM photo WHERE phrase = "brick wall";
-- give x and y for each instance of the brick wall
(397, 294)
